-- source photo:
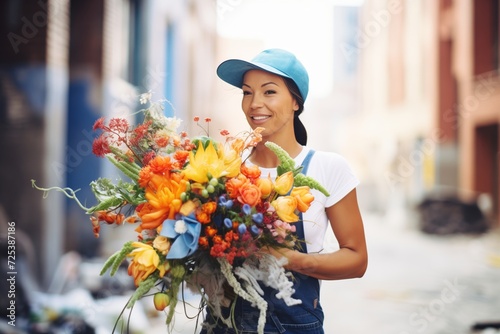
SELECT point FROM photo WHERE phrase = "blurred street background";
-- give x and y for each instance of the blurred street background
(407, 90)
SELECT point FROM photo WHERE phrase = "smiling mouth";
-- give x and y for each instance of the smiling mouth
(260, 118)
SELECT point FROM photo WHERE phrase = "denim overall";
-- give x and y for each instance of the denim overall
(305, 318)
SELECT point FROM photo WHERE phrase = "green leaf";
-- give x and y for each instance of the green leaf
(286, 162)
(302, 180)
(143, 288)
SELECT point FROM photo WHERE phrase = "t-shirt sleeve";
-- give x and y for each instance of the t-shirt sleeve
(338, 177)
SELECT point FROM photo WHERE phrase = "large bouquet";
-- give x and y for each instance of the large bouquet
(203, 216)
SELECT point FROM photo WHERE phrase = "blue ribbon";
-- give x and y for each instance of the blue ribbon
(185, 243)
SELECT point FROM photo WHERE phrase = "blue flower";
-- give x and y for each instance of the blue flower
(227, 203)
(186, 232)
(228, 223)
(242, 228)
(258, 218)
(247, 209)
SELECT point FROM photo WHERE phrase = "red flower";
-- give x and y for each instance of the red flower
(100, 146)
(148, 157)
(99, 124)
(118, 125)
(139, 132)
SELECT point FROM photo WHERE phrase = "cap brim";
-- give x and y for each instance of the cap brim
(233, 70)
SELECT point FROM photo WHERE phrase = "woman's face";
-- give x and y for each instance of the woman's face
(267, 103)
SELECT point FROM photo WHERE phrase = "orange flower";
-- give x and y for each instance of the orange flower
(265, 186)
(162, 135)
(202, 217)
(96, 226)
(144, 176)
(203, 242)
(176, 141)
(203, 214)
(181, 157)
(209, 207)
(160, 164)
(163, 196)
(249, 194)
(256, 137)
(210, 231)
(234, 184)
(252, 172)
(132, 219)
(303, 196)
(162, 141)
(217, 239)
(238, 145)
(151, 217)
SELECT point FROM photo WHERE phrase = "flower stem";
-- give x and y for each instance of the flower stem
(68, 192)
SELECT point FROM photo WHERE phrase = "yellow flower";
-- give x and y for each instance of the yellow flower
(211, 161)
(145, 261)
(162, 244)
(285, 207)
(303, 196)
(232, 160)
(284, 183)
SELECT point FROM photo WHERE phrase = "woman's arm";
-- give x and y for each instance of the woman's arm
(351, 260)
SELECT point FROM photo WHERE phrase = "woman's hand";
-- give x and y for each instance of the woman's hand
(350, 261)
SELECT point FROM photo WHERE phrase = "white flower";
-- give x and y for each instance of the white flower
(173, 123)
(145, 98)
(168, 124)
(180, 226)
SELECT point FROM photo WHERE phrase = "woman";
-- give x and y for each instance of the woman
(275, 85)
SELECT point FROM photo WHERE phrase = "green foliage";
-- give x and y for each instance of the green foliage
(111, 196)
(117, 258)
(288, 164)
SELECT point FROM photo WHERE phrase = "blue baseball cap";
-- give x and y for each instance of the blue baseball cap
(277, 61)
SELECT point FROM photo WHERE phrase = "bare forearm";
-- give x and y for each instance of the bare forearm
(342, 264)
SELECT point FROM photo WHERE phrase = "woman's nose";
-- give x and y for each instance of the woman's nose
(256, 101)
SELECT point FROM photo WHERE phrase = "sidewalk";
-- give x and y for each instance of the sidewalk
(418, 283)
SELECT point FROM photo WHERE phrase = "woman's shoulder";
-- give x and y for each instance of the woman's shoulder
(328, 157)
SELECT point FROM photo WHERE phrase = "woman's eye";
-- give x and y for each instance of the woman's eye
(268, 92)
(246, 92)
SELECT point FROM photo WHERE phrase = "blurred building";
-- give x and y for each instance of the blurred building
(63, 64)
(430, 99)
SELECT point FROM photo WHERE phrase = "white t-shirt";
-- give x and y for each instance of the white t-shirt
(333, 172)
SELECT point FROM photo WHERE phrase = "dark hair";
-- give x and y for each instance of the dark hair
(299, 128)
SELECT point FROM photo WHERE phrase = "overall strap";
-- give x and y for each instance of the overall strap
(299, 226)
